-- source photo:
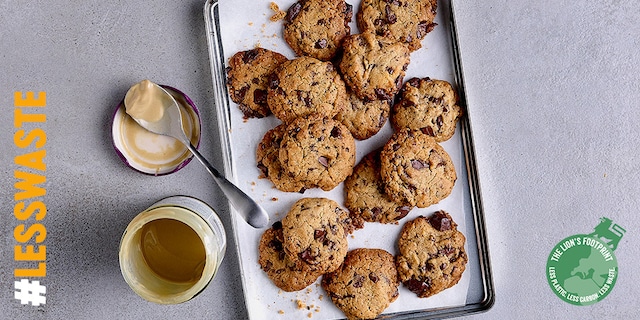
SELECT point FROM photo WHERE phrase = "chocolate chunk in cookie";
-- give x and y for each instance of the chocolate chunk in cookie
(373, 67)
(318, 151)
(428, 105)
(405, 21)
(365, 195)
(416, 169)
(365, 284)
(247, 76)
(303, 86)
(314, 232)
(431, 254)
(287, 272)
(316, 28)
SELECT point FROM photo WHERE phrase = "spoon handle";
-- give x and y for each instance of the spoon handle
(251, 211)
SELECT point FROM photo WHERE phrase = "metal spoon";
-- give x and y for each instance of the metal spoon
(171, 125)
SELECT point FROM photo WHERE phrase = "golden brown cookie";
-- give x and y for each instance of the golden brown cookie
(313, 231)
(428, 105)
(365, 195)
(287, 272)
(247, 76)
(318, 151)
(405, 21)
(431, 254)
(364, 118)
(416, 169)
(316, 28)
(267, 156)
(365, 284)
(303, 86)
(373, 67)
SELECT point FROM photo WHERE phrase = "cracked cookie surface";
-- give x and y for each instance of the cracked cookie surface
(416, 169)
(365, 195)
(365, 284)
(405, 21)
(303, 86)
(267, 156)
(316, 28)
(428, 105)
(287, 272)
(364, 118)
(431, 254)
(373, 67)
(318, 151)
(314, 231)
(247, 76)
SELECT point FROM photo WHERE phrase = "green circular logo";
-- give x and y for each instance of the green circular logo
(582, 270)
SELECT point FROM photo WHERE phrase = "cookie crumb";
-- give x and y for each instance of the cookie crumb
(274, 199)
(278, 14)
(281, 311)
(309, 315)
(300, 304)
(250, 24)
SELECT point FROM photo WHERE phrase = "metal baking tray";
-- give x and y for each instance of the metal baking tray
(233, 26)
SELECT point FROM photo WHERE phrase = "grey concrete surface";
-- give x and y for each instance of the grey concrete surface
(552, 88)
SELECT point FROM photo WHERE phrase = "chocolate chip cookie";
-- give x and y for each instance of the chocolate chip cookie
(373, 67)
(365, 284)
(313, 231)
(303, 86)
(364, 118)
(318, 151)
(406, 21)
(287, 272)
(247, 76)
(428, 105)
(416, 169)
(431, 254)
(267, 156)
(316, 28)
(365, 195)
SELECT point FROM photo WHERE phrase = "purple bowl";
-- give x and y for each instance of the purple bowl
(150, 153)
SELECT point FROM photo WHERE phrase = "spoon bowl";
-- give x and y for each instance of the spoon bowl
(170, 124)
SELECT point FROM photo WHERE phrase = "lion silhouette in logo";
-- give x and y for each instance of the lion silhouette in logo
(608, 232)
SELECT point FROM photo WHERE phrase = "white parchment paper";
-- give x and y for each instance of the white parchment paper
(244, 25)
